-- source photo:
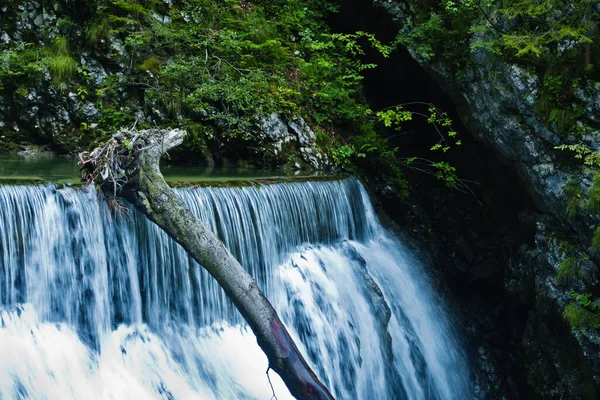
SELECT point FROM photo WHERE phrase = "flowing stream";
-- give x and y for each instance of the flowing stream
(98, 306)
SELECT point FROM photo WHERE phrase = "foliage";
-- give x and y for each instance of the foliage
(596, 240)
(222, 63)
(342, 155)
(577, 200)
(425, 37)
(217, 68)
(394, 117)
(535, 28)
(582, 152)
(455, 6)
(570, 26)
(18, 65)
(567, 270)
(371, 148)
(59, 62)
(582, 312)
(556, 39)
(113, 119)
(593, 195)
(574, 196)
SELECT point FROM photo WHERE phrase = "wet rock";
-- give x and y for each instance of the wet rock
(96, 72)
(89, 110)
(5, 38)
(117, 47)
(294, 137)
(274, 127)
(308, 147)
(33, 151)
(305, 135)
(498, 101)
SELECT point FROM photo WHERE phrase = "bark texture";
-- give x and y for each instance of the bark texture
(142, 184)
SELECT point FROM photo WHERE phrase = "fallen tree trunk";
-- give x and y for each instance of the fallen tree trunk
(128, 166)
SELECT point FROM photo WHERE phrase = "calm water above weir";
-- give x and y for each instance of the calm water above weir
(63, 170)
(97, 306)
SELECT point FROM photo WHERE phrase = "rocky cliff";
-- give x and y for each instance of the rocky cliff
(71, 72)
(528, 349)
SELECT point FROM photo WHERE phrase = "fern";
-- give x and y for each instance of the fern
(596, 241)
(575, 316)
(567, 270)
(574, 196)
(593, 197)
(582, 312)
(61, 65)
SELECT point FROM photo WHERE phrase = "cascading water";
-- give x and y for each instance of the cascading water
(96, 306)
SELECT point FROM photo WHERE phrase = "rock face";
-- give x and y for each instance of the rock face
(560, 363)
(66, 121)
(496, 101)
(498, 267)
(40, 115)
(32, 151)
(291, 143)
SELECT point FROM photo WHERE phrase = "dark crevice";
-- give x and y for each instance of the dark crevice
(478, 233)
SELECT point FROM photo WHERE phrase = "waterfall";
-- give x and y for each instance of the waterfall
(98, 305)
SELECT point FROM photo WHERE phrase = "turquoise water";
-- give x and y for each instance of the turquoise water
(65, 170)
(60, 170)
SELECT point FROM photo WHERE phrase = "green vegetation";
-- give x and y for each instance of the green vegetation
(552, 39)
(224, 64)
(554, 42)
(567, 270)
(596, 240)
(575, 197)
(59, 62)
(582, 312)
(215, 69)
(556, 45)
(571, 262)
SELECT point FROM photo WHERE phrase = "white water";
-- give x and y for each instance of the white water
(94, 306)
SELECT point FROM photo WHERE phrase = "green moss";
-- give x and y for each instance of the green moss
(61, 64)
(574, 196)
(593, 196)
(564, 247)
(238, 183)
(151, 64)
(579, 317)
(564, 119)
(582, 312)
(7, 145)
(596, 240)
(567, 270)
(576, 316)
(20, 182)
